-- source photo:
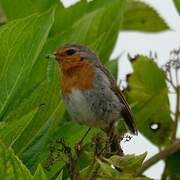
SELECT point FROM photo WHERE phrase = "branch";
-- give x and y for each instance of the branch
(177, 112)
(159, 156)
(171, 83)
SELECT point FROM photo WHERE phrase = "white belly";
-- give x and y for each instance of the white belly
(95, 108)
(79, 108)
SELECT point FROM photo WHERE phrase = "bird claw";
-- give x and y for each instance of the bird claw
(78, 148)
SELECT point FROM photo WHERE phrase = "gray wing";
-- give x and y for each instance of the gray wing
(126, 111)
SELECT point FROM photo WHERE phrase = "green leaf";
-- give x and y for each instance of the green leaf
(10, 131)
(127, 163)
(147, 90)
(68, 16)
(177, 4)
(125, 167)
(22, 41)
(40, 174)
(55, 169)
(12, 8)
(112, 66)
(173, 168)
(139, 16)
(10, 166)
(107, 170)
(20, 8)
(85, 157)
(60, 177)
(30, 145)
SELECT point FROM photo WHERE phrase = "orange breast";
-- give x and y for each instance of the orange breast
(78, 76)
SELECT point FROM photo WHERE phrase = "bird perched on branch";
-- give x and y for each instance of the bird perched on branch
(89, 91)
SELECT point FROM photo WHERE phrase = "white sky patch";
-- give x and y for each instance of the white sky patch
(68, 3)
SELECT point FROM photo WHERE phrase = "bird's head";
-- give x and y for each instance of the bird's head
(72, 56)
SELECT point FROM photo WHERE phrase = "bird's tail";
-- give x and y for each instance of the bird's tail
(129, 121)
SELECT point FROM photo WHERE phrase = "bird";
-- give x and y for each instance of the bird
(89, 91)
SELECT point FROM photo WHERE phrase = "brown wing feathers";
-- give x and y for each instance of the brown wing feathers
(126, 111)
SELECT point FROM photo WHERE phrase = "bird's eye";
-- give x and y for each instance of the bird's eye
(70, 52)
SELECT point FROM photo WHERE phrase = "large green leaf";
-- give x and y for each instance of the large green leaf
(148, 92)
(177, 4)
(22, 41)
(10, 166)
(10, 131)
(139, 16)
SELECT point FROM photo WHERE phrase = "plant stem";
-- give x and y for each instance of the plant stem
(159, 156)
(165, 172)
(177, 113)
(171, 83)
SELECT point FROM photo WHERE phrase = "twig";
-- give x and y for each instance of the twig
(176, 75)
(177, 112)
(159, 156)
(171, 83)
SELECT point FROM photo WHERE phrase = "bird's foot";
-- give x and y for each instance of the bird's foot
(79, 145)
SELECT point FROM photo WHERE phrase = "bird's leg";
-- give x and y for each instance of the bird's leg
(78, 146)
(114, 140)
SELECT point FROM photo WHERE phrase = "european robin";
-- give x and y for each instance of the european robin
(89, 91)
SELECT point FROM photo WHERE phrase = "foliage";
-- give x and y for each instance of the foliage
(10, 166)
(172, 166)
(177, 4)
(139, 16)
(37, 137)
(149, 93)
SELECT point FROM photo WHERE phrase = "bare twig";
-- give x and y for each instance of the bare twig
(176, 76)
(177, 112)
(171, 83)
(159, 156)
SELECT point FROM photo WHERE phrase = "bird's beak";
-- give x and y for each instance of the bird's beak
(51, 56)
